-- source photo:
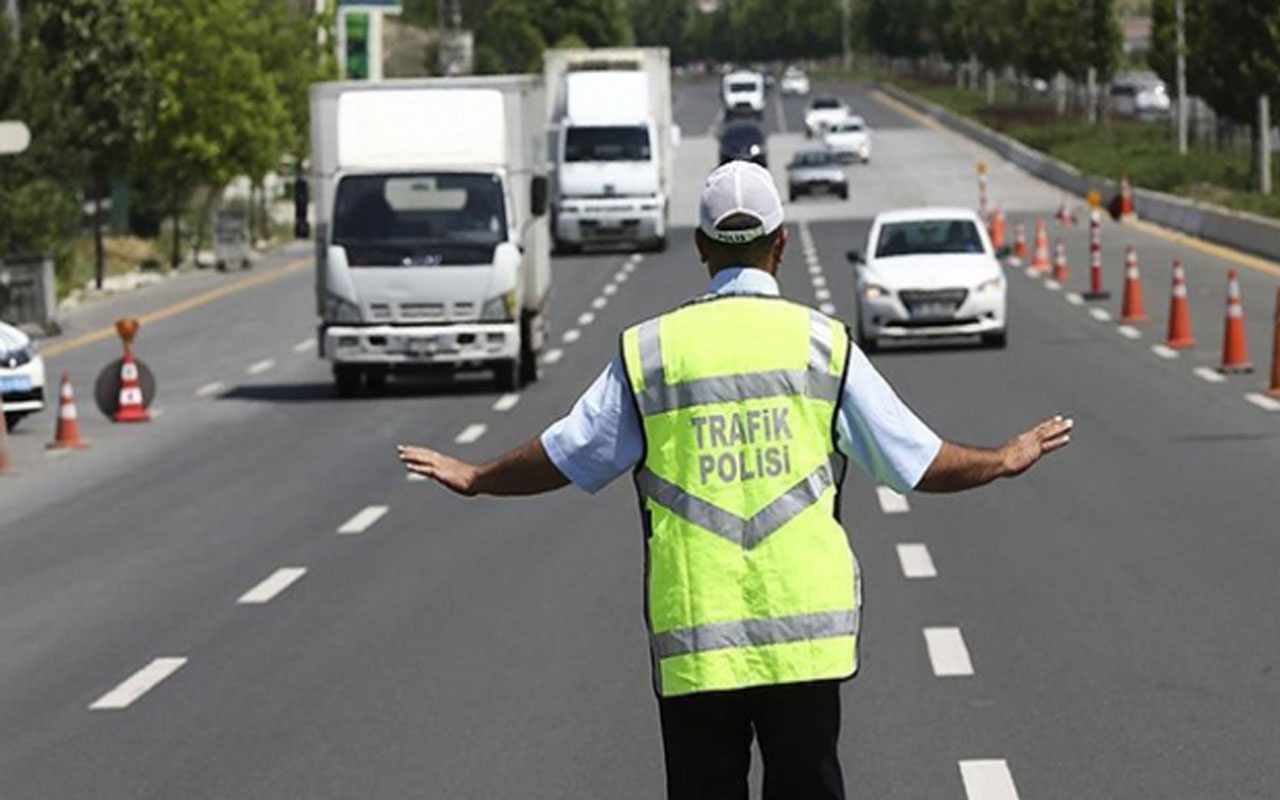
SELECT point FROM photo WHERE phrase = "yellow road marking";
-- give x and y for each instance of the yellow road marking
(181, 307)
(1223, 252)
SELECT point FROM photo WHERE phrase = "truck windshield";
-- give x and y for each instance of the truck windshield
(420, 219)
(612, 143)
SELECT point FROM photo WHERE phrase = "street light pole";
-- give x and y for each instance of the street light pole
(844, 28)
(1181, 15)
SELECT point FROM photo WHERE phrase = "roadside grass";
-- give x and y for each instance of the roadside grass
(123, 254)
(1144, 150)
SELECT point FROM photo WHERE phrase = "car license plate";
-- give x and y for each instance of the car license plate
(932, 310)
(15, 383)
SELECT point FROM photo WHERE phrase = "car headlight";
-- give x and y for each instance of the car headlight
(873, 292)
(500, 309)
(341, 311)
(991, 286)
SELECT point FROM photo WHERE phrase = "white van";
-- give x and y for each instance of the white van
(743, 94)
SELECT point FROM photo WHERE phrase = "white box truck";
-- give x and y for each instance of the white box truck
(432, 247)
(613, 143)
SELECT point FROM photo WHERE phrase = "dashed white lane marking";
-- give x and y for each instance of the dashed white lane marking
(1263, 401)
(414, 477)
(1129, 332)
(586, 318)
(916, 561)
(1209, 375)
(363, 520)
(272, 586)
(1074, 298)
(827, 308)
(635, 258)
(138, 684)
(572, 335)
(1032, 272)
(471, 433)
(947, 653)
(891, 502)
(629, 267)
(815, 269)
(1164, 351)
(1053, 285)
(552, 356)
(620, 276)
(1100, 314)
(599, 303)
(819, 281)
(987, 779)
(506, 402)
(822, 294)
(305, 345)
(157, 412)
(259, 367)
(610, 290)
(210, 389)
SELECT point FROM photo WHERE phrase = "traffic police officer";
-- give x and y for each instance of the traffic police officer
(738, 412)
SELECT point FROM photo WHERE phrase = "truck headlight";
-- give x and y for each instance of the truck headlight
(874, 292)
(990, 287)
(341, 311)
(500, 309)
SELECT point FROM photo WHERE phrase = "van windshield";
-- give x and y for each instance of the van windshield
(420, 219)
(741, 87)
(607, 143)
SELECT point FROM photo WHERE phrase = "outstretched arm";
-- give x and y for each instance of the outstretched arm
(525, 470)
(957, 467)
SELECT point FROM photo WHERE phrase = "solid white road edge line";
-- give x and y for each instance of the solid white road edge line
(138, 684)
(1129, 332)
(987, 779)
(947, 652)
(891, 502)
(552, 356)
(916, 561)
(362, 521)
(210, 389)
(1263, 401)
(471, 433)
(506, 402)
(272, 586)
(259, 367)
(1209, 375)
(1164, 351)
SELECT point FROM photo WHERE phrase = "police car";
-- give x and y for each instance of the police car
(21, 375)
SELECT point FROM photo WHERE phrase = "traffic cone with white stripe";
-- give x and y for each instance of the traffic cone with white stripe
(66, 435)
(1274, 391)
(1235, 345)
(1132, 308)
(1126, 198)
(1040, 261)
(1180, 336)
(1019, 244)
(1066, 214)
(130, 407)
(1061, 269)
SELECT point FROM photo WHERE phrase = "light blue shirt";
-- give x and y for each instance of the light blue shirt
(601, 438)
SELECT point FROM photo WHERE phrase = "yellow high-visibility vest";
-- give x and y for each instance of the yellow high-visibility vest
(750, 577)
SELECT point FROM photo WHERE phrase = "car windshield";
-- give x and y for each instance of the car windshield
(928, 237)
(813, 158)
(420, 219)
(848, 127)
(825, 104)
(613, 143)
(739, 87)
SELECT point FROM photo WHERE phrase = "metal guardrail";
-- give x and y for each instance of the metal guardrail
(1238, 229)
(28, 292)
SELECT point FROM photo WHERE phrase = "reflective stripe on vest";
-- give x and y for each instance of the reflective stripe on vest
(750, 580)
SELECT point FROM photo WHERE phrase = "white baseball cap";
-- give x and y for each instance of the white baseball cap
(738, 189)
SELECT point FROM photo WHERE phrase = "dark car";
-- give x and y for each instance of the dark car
(744, 141)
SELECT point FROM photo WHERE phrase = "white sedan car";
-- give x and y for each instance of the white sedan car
(929, 272)
(822, 113)
(849, 139)
(21, 375)
(794, 82)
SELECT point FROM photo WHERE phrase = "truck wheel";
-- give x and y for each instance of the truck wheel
(563, 248)
(347, 381)
(375, 381)
(659, 245)
(506, 375)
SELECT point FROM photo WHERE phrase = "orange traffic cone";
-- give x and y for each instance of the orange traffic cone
(130, 408)
(1235, 345)
(1096, 292)
(1132, 308)
(1126, 197)
(6, 466)
(1040, 261)
(1066, 215)
(1274, 391)
(1180, 336)
(1019, 244)
(997, 228)
(1061, 270)
(67, 433)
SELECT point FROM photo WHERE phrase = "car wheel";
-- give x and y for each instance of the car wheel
(11, 418)
(844, 194)
(792, 195)
(996, 341)
(869, 344)
(563, 248)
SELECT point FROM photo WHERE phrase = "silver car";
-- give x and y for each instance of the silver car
(817, 171)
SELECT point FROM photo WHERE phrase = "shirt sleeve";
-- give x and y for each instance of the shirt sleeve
(879, 432)
(600, 438)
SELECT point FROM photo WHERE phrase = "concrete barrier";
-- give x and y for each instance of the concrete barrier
(1238, 229)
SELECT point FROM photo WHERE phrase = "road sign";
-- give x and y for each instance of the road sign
(15, 137)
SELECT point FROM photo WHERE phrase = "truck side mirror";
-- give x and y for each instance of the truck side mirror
(538, 195)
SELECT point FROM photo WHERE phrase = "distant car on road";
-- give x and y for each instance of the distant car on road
(794, 82)
(929, 272)
(21, 375)
(743, 94)
(816, 172)
(744, 141)
(822, 113)
(849, 139)
(1141, 95)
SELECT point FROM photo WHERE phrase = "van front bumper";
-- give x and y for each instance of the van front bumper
(609, 221)
(420, 344)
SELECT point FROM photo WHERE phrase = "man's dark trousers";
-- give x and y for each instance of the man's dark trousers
(706, 739)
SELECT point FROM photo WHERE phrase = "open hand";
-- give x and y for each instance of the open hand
(1020, 454)
(452, 473)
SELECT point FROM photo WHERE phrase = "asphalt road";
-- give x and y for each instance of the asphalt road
(1116, 606)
